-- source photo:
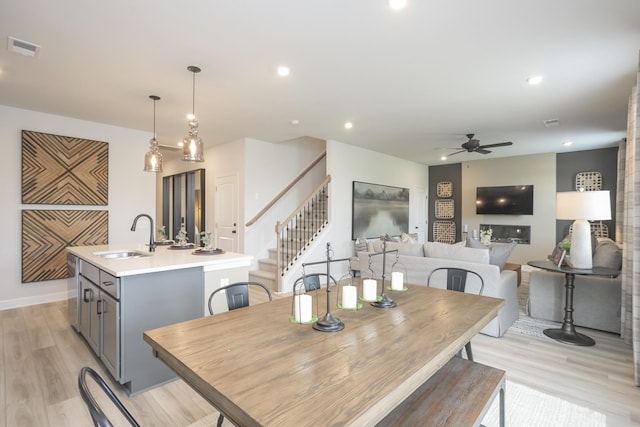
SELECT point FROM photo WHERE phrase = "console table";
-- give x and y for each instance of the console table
(567, 333)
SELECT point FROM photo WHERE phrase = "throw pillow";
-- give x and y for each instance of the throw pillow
(498, 254)
(607, 254)
(360, 245)
(460, 253)
(408, 238)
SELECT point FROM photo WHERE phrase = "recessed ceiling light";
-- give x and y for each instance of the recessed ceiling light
(348, 125)
(294, 122)
(443, 158)
(397, 4)
(567, 143)
(283, 71)
(535, 80)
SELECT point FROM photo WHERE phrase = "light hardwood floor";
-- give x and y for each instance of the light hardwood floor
(41, 356)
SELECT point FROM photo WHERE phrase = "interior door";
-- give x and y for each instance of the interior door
(227, 213)
(418, 216)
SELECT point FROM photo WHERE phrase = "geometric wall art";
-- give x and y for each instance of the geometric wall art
(62, 170)
(47, 233)
(444, 231)
(588, 181)
(444, 208)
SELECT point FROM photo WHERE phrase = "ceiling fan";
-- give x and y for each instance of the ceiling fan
(473, 146)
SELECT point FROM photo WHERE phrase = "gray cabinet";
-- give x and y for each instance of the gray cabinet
(110, 354)
(100, 315)
(115, 312)
(89, 317)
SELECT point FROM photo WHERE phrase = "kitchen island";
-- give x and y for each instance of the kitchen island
(115, 298)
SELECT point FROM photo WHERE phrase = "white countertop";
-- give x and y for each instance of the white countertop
(163, 259)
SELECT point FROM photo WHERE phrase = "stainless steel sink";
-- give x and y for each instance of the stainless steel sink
(123, 254)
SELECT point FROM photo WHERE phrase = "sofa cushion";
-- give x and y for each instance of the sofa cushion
(498, 254)
(413, 249)
(460, 253)
(607, 254)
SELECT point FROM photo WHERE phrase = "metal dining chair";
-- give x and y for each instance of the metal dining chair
(97, 415)
(237, 297)
(237, 294)
(457, 279)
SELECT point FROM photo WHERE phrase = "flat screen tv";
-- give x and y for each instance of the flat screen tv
(507, 200)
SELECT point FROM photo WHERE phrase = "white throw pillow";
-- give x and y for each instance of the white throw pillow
(498, 254)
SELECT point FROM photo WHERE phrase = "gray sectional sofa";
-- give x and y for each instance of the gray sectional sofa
(412, 260)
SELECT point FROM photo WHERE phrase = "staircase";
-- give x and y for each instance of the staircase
(294, 235)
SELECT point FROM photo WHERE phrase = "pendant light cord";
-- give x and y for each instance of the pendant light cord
(193, 98)
(154, 119)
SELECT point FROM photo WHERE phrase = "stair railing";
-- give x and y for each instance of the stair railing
(296, 232)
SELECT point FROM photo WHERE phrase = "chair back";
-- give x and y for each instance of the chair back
(97, 415)
(456, 279)
(237, 294)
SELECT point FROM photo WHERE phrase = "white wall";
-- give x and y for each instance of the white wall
(269, 168)
(131, 191)
(345, 164)
(539, 170)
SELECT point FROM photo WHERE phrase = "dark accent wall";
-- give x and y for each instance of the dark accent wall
(452, 173)
(605, 161)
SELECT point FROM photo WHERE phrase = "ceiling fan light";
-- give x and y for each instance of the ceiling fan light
(153, 157)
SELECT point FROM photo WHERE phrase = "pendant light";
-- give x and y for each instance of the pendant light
(153, 158)
(192, 144)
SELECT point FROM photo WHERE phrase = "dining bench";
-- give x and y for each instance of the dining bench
(459, 394)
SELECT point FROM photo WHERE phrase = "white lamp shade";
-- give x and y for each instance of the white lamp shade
(589, 205)
(582, 206)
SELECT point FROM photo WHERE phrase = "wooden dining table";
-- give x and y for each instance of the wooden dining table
(259, 369)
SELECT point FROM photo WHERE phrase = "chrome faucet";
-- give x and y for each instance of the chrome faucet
(152, 243)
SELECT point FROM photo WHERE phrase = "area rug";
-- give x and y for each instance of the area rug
(526, 407)
(532, 327)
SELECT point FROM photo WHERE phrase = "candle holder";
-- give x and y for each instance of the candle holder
(328, 323)
(301, 308)
(384, 301)
(398, 276)
(369, 286)
(347, 293)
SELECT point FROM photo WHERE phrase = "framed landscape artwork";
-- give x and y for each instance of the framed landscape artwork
(378, 210)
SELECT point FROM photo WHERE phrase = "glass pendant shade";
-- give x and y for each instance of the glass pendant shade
(153, 157)
(192, 146)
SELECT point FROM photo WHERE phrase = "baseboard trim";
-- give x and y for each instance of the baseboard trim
(35, 300)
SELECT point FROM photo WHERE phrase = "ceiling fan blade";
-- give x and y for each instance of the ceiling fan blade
(457, 152)
(482, 151)
(500, 144)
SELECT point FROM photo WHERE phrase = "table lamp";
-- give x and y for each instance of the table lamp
(582, 206)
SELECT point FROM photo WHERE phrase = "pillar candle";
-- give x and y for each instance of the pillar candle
(349, 296)
(397, 279)
(369, 290)
(466, 228)
(302, 308)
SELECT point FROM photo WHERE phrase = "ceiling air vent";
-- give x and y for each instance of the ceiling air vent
(551, 123)
(22, 47)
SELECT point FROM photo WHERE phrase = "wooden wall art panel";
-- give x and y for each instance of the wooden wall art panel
(62, 170)
(47, 233)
